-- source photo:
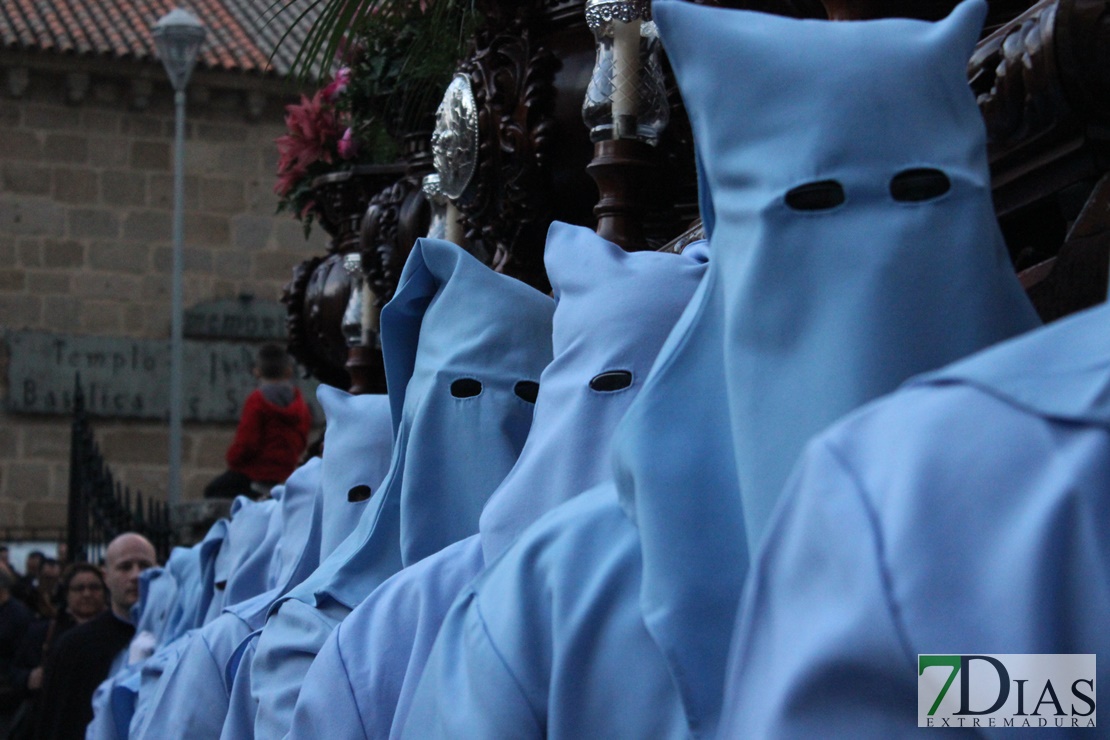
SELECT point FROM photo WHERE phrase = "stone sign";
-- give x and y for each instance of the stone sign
(236, 318)
(129, 377)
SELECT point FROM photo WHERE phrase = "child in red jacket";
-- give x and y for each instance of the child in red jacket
(272, 433)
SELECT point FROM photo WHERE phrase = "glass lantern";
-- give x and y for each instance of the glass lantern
(626, 97)
(354, 326)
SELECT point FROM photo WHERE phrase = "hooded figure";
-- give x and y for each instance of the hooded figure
(853, 244)
(157, 594)
(463, 346)
(193, 570)
(978, 529)
(240, 565)
(183, 567)
(357, 450)
(191, 697)
(613, 311)
(208, 551)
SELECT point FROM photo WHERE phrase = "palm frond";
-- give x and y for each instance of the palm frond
(335, 21)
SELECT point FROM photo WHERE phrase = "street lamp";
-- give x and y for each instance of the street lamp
(178, 36)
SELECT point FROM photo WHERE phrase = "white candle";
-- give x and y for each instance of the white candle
(626, 74)
(367, 317)
(454, 231)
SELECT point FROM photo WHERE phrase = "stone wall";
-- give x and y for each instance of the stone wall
(86, 191)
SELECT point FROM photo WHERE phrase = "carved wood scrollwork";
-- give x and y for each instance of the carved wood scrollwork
(1048, 68)
(1016, 79)
(310, 321)
(1043, 86)
(317, 296)
(390, 226)
(507, 208)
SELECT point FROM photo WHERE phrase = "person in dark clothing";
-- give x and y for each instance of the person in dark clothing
(15, 617)
(82, 658)
(26, 587)
(84, 591)
(272, 433)
(43, 596)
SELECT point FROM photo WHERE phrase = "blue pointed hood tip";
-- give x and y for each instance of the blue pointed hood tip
(607, 286)
(300, 542)
(1061, 371)
(252, 537)
(439, 272)
(297, 519)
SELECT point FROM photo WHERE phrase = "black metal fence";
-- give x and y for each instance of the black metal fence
(99, 506)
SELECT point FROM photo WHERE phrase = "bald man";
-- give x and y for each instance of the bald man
(87, 654)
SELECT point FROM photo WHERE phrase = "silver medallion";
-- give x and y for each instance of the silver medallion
(455, 140)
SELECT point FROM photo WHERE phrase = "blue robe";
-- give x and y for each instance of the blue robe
(194, 572)
(242, 707)
(824, 291)
(613, 311)
(192, 696)
(979, 527)
(461, 345)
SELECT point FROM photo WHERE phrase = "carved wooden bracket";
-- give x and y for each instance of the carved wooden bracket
(312, 322)
(1043, 85)
(508, 205)
(398, 209)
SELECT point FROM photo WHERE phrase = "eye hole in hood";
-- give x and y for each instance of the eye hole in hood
(613, 380)
(359, 493)
(922, 183)
(466, 388)
(816, 196)
(527, 390)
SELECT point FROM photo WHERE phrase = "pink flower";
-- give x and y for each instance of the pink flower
(312, 130)
(348, 145)
(338, 86)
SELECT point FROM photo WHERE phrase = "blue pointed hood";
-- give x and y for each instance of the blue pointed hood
(183, 567)
(829, 307)
(299, 538)
(845, 189)
(208, 551)
(457, 338)
(298, 549)
(157, 593)
(613, 311)
(239, 567)
(358, 444)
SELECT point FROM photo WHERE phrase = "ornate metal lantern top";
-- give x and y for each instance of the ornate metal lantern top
(599, 12)
(455, 141)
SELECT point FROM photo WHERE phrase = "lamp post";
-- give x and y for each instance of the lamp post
(178, 36)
